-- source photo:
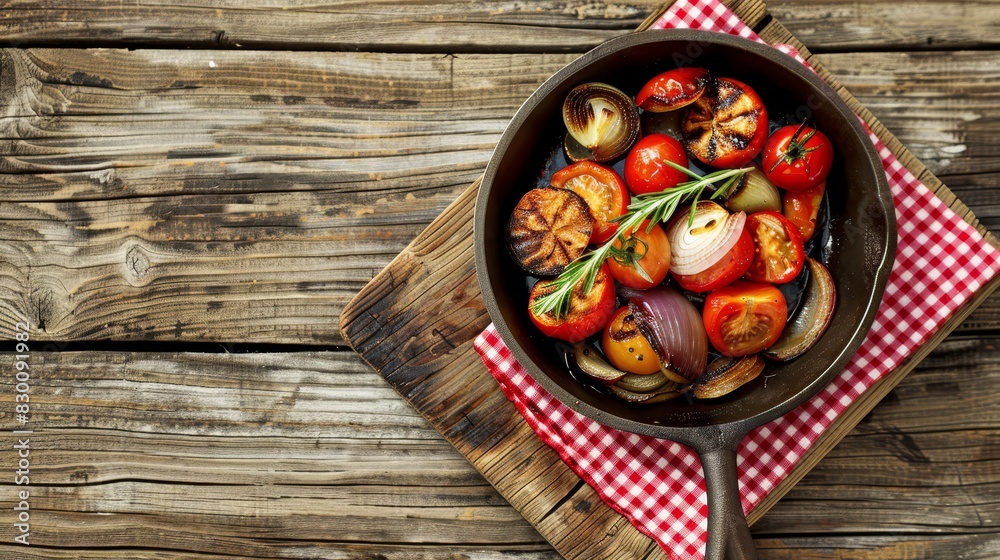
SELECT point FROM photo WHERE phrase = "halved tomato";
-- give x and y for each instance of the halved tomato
(730, 268)
(603, 191)
(626, 347)
(641, 259)
(744, 318)
(646, 170)
(588, 311)
(672, 89)
(727, 126)
(778, 254)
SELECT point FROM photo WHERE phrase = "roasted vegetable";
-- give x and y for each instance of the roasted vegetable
(727, 126)
(548, 230)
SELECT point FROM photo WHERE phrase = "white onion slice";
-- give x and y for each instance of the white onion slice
(713, 233)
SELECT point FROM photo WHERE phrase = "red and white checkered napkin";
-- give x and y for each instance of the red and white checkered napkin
(658, 485)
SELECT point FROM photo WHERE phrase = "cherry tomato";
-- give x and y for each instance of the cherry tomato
(802, 209)
(797, 158)
(602, 189)
(642, 260)
(625, 347)
(727, 126)
(744, 317)
(588, 312)
(672, 89)
(730, 268)
(778, 255)
(645, 170)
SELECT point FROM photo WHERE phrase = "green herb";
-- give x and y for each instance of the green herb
(655, 207)
(630, 255)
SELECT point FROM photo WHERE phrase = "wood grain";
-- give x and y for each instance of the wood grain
(241, 194)
(243, 454)
(942, 106)
(846, 25)
(231, 206)
(149, 195)
(172, 455)
(469, 25)
(462, 26)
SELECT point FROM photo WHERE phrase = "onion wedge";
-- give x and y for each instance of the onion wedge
(674, 329)
(643, 383)
(590, 362)
(813, 317)
(657, 396)
(726, 375)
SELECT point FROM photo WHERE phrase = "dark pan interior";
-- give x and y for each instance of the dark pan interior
(862, 225)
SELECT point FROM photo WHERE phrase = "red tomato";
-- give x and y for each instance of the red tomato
(744, 317)
(642, 260)
(588, 312)
(672, 89)
(645, 170)
(625, 347)
(730, 268)
(603, 191)
(802, 209)
(727, 126)
(797, 158)
(778, 255)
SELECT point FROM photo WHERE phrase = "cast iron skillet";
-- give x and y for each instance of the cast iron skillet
(860, 254)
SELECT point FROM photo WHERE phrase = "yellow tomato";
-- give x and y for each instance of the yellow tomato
(625, 347)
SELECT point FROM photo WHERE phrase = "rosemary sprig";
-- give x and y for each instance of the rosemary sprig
(655, 207)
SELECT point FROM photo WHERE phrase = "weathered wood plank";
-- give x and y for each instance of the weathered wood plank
(978, 190)
(335, 25)
(244, 454)
(849, 25)
(943, 106)
(289, 186)
(926, 460)
(196, 202)
(169, 452)
(867, 547)
(297, 549)
(469, 25)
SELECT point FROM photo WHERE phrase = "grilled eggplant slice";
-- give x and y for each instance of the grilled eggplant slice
(549, 229)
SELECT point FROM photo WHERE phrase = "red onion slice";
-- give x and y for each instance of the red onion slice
(674, 328)
(713, 233)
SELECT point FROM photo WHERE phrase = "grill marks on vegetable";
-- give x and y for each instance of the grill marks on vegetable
(727, 120)
(549, 229)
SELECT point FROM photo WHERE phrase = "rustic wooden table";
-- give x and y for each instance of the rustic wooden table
(191, 193)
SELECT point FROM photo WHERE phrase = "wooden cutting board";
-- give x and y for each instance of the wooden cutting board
(414, 324)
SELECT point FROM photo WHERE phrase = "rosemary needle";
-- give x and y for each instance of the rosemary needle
(655, 207)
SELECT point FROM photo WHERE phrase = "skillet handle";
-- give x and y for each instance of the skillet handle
(728, 533)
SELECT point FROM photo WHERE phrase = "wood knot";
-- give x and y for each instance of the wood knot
(136, 264)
